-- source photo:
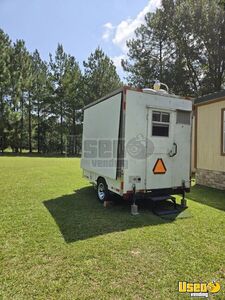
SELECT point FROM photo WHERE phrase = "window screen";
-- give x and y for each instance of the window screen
(183, 117)
(160, 123)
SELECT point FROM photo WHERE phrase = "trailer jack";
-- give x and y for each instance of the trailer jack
(134, 207)
(183, 200)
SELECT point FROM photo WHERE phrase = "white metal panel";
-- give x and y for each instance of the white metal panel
(135, 133)
(162, 147)
(101, 123)
(138, 105)
(182, 161)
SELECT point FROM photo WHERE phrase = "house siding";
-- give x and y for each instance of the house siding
(209, 137)
(193, 167)
(210, 163)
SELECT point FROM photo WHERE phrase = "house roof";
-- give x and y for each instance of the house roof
(210, 98)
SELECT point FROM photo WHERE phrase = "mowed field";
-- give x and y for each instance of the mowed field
(58, 242)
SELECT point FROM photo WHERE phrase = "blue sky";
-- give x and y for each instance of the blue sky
(80, 26)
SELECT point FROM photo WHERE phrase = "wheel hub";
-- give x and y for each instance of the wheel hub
(101, 191)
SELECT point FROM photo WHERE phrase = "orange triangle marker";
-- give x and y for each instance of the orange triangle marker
(159, 167)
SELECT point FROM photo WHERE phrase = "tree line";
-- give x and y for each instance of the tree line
(41, 102)
(183, 45)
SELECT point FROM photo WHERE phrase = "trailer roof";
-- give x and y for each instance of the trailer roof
(120, 90)
(124, 89)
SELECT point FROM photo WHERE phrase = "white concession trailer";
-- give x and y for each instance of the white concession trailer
(138, 141)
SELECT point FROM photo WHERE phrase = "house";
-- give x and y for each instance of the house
(209, 140)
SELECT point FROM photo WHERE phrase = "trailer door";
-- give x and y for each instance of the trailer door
(160, 137)
(182, 159)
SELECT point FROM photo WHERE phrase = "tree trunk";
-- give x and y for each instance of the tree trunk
(160, 61)
(38, 127)
(30, 125)
(1, 129)
(21, 133)
(61, 126)
(74, 146)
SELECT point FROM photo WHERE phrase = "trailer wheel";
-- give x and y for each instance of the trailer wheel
(102, 190)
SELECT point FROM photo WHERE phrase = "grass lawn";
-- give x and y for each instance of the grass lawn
(58, 242)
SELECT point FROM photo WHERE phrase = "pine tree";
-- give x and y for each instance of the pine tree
(5, 49)
(100, 76)
(21, 80)
(38, 104)
(72, 83)
(181, 44)
(58, 69)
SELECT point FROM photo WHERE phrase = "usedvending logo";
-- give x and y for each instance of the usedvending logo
(197, 289)
(140, 147)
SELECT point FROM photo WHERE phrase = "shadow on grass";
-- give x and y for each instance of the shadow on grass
(80, 216)
(208, 196)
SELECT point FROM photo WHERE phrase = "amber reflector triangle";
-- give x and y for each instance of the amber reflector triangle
(159, 167)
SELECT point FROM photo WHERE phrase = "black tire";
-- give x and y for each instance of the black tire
(102, 190)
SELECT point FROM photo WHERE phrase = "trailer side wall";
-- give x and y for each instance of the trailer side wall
(100, 137)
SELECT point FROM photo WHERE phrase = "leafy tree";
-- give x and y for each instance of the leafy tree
(201, 38)
(21, 80)
(41, 90)
(181, 44)
(58, 69)
(152, 55)
(146, 54)
(209, 35)
(72, 83)
(66, 100)
(5, 49)
(100, 77)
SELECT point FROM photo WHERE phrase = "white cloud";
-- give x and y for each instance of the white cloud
(126, 28)
(108, 31)
(117, 62)
(124, 31)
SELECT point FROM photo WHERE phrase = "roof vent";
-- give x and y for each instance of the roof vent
(157, 87)
(148, 90)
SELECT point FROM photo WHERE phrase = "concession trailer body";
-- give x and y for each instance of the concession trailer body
(137, 141)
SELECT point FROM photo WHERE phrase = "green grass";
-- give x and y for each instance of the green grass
(58, 242)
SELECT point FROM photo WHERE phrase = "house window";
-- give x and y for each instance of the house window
(223, 131)
(160, 123)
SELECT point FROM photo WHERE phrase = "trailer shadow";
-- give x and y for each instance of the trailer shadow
(208, 196)
(80, 216)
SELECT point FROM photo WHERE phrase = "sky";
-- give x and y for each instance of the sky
(80, 25)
